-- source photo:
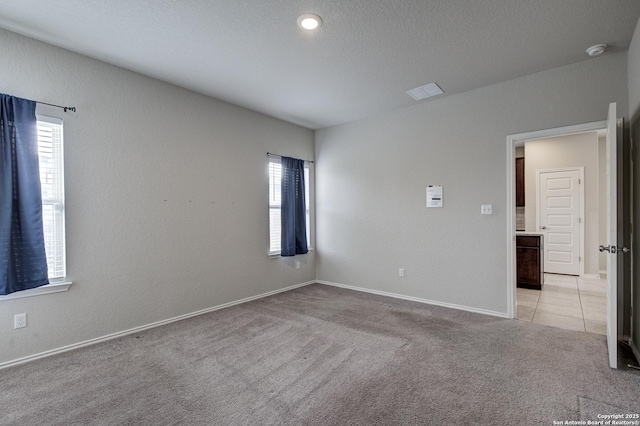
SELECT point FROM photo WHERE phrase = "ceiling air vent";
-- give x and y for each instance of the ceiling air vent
(424, 92)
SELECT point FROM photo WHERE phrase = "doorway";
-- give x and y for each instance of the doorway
(613, 138)
(530, 220)
(558, 172)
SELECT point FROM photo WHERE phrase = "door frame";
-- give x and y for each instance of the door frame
(512, 140)
(580, 170)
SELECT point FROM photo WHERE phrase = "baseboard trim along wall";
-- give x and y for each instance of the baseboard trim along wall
(143, 327)
(419, 300)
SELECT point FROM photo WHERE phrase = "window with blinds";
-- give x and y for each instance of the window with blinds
(52, 183)
(275, 177)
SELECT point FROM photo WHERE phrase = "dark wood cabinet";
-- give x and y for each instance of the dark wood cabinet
(519, 182)
(529, 258)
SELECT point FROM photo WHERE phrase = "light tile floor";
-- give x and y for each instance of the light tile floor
(573, 303)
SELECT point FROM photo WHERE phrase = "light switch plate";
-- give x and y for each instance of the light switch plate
(486, 209)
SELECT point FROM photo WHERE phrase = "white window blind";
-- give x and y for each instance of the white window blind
(275, 204)
(275, 200)
(52, 182)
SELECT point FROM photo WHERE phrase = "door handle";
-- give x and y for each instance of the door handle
(543, 227)
(614, 249)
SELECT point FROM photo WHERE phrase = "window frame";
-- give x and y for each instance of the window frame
(308, 176)
(57, 203)
(58, 283)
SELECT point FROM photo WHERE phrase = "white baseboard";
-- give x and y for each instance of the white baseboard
(112, 336)
(597, 276)
(417, 299)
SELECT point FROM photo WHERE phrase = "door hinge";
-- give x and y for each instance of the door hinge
(579, 182)
(579, 220)
(579, 259)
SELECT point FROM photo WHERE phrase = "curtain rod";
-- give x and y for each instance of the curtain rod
(270, 154)
(65, 108)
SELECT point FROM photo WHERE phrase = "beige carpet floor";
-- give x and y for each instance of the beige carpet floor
(320, 355)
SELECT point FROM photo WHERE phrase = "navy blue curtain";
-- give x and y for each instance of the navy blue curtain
(293, 211)
(23, 261)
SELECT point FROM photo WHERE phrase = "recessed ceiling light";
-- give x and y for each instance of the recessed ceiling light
(309, 21)
(596, 50)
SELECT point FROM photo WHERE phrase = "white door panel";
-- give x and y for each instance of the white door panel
(559, 195)
(560, 220)
(560, 202)
(558, 238)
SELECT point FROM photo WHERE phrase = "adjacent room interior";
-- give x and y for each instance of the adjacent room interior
(423, 133)
(567, 285)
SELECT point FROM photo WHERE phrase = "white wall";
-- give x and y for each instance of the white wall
(567, 151)
(167, 199)
(371, 179)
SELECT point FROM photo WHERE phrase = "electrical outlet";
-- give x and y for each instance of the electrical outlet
(401, 272)
(297, 264)
(20, 320)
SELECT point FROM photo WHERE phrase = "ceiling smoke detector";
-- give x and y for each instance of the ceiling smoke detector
(596, 50)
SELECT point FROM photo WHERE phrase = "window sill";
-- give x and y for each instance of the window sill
(45, 289)
(276, 254)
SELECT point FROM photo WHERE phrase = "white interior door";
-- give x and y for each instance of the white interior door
(612, 238)
(559, 219)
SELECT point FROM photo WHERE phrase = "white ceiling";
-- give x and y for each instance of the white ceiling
(358, 64)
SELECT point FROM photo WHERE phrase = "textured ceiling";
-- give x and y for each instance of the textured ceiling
(358, 64)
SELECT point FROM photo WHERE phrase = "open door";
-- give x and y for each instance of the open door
(612, 238)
